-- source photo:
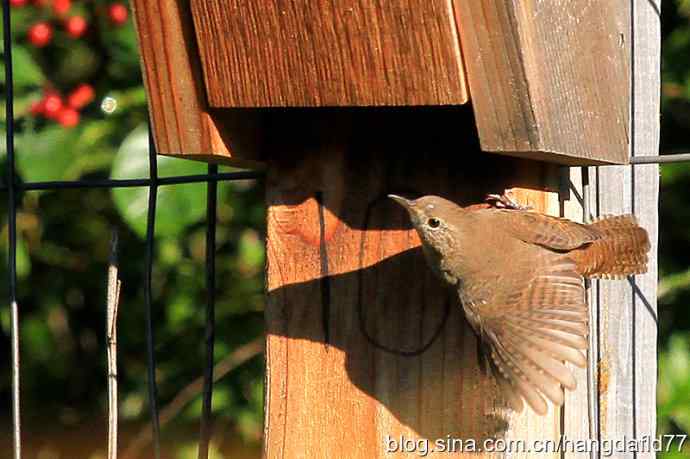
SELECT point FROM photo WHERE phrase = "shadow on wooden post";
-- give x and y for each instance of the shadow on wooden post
(328, 388)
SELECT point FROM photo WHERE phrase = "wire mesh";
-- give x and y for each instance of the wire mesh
(12, 187)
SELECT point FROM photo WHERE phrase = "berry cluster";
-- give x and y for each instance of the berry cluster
(64, 110)
(41, 33)
(74, 21)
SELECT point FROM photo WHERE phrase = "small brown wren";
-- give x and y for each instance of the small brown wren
(519, 275)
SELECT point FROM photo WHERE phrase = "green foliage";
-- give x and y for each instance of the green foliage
(178, 206)
(673, 404)
(63, 248)
(47, 154)
(27, 72)
(674, 383)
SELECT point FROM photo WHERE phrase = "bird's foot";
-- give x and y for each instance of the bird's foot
(505, 201)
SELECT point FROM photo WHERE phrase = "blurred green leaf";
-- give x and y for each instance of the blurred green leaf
(177, 206)
(676, 48)
(26, 72)
(46, 154)
(36, 338)
(5, 320)
(674, 382)
(675, 454)
(674, 172)
(671, 284)
(23, 260)
(190, 450)
(251, 251)
(222, 400)
(180, 312)
(684, 7)
(57, 153)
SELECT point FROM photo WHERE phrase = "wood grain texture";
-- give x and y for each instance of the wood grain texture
(549, 79)
(616, 369)
(626, 312)
(645, 193)
(182, 121)
(268, 53)
(646, 84)
(334, 242)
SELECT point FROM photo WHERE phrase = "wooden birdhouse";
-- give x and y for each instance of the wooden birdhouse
(548, 80)
(345, 101)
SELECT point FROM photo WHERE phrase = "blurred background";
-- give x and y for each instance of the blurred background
(81, 113)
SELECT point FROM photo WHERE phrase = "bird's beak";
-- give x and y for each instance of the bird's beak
(406, 203)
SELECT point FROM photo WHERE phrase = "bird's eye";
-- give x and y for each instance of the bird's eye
(433, 222)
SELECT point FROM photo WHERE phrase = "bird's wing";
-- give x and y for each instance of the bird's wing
(551, 232)
(530, 332)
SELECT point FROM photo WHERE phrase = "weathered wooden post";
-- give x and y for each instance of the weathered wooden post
(344, 102)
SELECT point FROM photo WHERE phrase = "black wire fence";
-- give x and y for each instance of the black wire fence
(13, 187)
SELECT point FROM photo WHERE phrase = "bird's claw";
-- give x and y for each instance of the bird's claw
(505, 201)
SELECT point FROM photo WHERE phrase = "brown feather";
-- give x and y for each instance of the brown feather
(537, 327)
(621, 251)
(547, 231)
(518, 381)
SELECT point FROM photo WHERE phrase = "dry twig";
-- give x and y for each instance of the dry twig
(113, 299)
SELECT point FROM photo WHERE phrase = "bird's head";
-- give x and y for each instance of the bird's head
(435, 219)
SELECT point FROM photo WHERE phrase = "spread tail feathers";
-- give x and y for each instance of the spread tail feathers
(621, 250)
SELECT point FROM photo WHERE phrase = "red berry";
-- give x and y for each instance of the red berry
(37, 108)
(61, 7)
(68, 117)
(18, 3)
(40, 34)
(52, 104)
(75, 26)
(117, 12)
(81, 96)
